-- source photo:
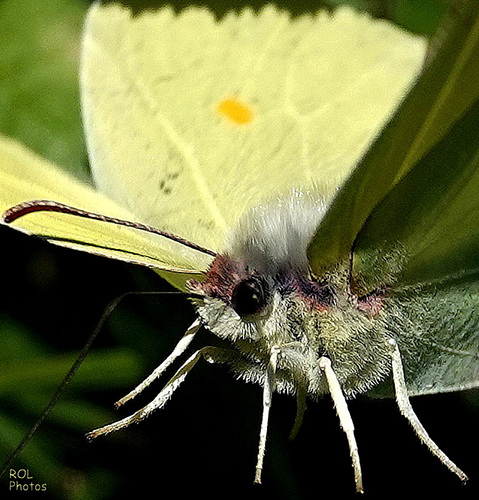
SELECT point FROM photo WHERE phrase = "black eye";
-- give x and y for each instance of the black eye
(249, 296)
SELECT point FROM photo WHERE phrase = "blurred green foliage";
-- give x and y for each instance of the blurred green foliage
(39, 96)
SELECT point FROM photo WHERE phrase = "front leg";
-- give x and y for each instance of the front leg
(406, 409)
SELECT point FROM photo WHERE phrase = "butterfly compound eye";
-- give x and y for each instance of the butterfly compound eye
(249, 296)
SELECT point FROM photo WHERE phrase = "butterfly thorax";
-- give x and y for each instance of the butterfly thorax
(261, 296)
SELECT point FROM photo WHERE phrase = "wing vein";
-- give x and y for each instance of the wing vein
(185, 150)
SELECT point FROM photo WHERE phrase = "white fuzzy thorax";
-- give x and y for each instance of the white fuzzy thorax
(276, 235)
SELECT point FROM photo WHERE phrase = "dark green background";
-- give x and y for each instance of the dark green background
(204, 442)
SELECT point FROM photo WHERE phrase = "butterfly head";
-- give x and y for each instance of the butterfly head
(260, 296)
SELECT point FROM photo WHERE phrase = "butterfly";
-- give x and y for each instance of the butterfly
(240, 159)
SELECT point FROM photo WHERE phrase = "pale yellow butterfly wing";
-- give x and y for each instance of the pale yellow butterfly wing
(24, 176)
(190, 121)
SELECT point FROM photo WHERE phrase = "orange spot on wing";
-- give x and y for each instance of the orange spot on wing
(236, 111)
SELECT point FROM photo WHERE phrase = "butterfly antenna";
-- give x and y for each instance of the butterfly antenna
(79, 360)
(14, 213)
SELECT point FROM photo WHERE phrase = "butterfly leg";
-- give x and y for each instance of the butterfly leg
(268, 389)
(344, 418)
(211, 354)
(301, 393)
(406, 409)
(179, 349)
